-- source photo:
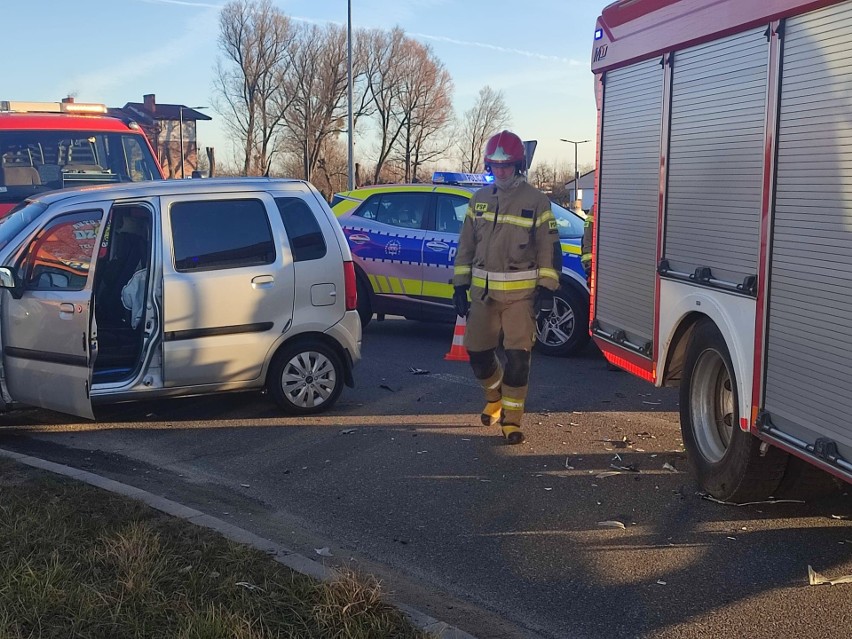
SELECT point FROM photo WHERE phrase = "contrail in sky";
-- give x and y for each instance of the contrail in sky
(425, 36)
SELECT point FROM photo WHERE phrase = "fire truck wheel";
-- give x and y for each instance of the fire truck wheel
(305, 378)
(565, 330)
(727, 461)
(365, 308)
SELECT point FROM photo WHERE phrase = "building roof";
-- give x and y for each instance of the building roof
(139, 112)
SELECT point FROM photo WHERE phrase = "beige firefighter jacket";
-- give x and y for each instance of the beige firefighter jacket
(509, 244)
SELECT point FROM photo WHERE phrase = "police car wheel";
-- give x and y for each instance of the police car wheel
(727, 460)
(563, 331)
(305, 378)
(365, 308)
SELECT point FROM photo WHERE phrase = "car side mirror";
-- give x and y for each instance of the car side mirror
(9, 279)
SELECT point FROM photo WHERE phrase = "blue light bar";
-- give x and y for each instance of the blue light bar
(462, 179)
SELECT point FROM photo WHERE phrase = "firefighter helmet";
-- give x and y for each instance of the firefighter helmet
(505, 148)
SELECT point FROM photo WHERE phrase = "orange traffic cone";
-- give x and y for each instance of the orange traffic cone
(458, 353)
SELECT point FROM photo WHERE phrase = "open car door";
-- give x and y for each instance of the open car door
(48, 333)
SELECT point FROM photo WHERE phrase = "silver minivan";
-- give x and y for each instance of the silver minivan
(171, 288)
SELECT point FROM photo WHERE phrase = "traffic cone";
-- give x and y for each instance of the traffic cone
(458, 353)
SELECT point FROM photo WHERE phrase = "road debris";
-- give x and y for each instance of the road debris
(607, 473)
(816, 579)
(667, 466)
(417, 371)
(324, 551)
(750, 503)
(610, 523)
(387, 388)
(631, 468)
(660, 582)
(348, 431)
(651, 403)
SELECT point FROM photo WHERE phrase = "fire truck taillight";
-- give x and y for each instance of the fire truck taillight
(351, 286)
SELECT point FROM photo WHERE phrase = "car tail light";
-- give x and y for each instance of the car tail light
(351, 287)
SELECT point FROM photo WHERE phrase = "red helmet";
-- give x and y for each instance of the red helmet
(505, 148)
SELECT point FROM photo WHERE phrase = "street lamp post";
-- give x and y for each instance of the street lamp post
(576, 167)
(180, 129)
(350, 123)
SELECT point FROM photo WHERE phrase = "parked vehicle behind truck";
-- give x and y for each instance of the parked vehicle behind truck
(54, 145)
(722, 137)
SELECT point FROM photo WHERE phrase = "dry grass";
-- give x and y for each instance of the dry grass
(79, 562)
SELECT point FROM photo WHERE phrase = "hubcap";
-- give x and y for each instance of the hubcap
(556, 328)
(308, 379)
(712, 406)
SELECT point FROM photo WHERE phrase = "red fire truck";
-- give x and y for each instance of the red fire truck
(723, 235)
(53, 145)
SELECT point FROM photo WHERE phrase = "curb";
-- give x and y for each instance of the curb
(293, 560)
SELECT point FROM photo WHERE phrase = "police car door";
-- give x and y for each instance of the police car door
(389, 243)
(440, 247)
(48, 332)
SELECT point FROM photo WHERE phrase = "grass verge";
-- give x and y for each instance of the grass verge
(76, 561)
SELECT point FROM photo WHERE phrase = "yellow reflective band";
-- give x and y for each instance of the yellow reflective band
(384, 286)
(461, 269)
(547, 216)
(495, 385)
(513, 404)
(548, 272)
(435, 289)
(396, 285)
(411, 287)
(504, 286)
(571, 249)
(374, 282)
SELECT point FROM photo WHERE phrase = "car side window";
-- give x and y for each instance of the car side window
(405, 210)
(60, 256)
(303, 230)
(211, 235)
(450, 213)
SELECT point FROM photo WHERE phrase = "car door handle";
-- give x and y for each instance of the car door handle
(359, 238)
(262, 281)
(438, 246)
(66, 310)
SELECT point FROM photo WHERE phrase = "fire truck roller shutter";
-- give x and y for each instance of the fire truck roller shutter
(808, 388)
(628, 200)
(715, 179)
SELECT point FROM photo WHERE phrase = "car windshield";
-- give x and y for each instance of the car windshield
(36, 161)
(570, 224)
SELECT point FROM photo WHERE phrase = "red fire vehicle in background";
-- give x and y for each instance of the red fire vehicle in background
(53, 145)
(723, 237)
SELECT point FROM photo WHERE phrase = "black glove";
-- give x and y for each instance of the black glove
(460, 301)
(543, 300)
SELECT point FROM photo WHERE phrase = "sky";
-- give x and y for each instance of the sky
(536, 52)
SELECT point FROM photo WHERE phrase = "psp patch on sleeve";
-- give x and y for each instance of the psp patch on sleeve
(481, 206)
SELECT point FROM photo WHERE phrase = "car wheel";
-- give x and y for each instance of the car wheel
(728, 461)
(365, 307)
(563, 331)
(306, 378)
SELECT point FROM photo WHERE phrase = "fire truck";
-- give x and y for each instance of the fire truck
(53, 145)
(722, 257)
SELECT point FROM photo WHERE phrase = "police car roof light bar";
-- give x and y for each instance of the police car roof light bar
(462, 179)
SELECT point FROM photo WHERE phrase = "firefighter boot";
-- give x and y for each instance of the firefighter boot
(486, 368)
(513, 413)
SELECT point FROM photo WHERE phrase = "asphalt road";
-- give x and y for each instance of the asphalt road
(502, 541)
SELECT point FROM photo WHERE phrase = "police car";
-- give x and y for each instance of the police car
(404, 239)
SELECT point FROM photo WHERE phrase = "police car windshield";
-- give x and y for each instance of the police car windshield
(570, 224)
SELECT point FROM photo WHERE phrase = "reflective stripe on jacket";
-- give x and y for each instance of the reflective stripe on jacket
(509, 244)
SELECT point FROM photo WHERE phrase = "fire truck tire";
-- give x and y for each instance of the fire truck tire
(565, 331)
(365, 307)
(728, 462)
(305, 377)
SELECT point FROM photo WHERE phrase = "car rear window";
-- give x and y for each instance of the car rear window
(303, 230)
(210, 235)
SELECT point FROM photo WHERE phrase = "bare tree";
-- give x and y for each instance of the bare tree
(425, 107)
(254, 38)
(488, 115)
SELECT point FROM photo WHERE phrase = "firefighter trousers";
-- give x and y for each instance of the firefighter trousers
(515, 321)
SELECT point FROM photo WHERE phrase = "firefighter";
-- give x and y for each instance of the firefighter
(508, 261)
